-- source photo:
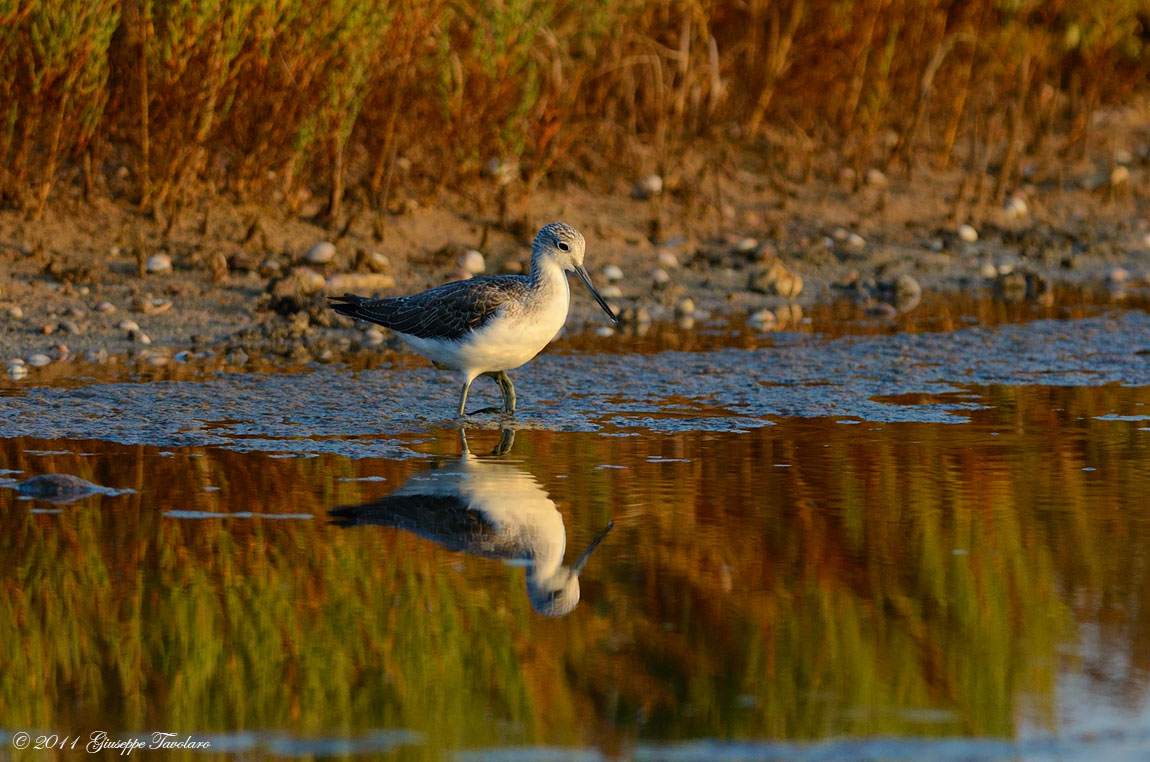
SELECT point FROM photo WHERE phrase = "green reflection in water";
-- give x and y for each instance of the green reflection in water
(804, 580)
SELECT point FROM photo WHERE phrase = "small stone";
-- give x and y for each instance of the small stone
(150, 305)
(660, 276)
(16, 313)
(472, 261)
(686, 322)
(1123, 156)
(320, 254)
(375, 262)
(15, 361)
(1010, 287)
(875, 178)
(907, 292)
(1015, 208)
(613, 273)
(218, 266)
(1117, 276)
(788, 284)
(39, 360)
(69, 326)
(855, 242)
(47, 329)
(136, 336)
(685, 306)
(97, 356)
(1119, 177)
(298, 282)
(17, 372)
(988, 271)
(967, 233)
(762, 279)
(270, 267)
(642, 315)
(762, 319)
(105, 308)
(74, 312)
(746, 246)
(647, 187)
(666, 258)
(605, 330)
(372, 337)
(237, 357)
(611, 291)
(840, 235)
(129, 325)
(158, 263)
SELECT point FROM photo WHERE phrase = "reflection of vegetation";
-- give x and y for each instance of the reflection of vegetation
(888, 569)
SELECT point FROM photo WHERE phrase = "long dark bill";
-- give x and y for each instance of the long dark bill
(583, 276)
(578, 567)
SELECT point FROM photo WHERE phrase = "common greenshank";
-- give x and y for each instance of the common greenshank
(491, 324)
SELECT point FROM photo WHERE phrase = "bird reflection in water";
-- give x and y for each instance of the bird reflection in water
(489, 508)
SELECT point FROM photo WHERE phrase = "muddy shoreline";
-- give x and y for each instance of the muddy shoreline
(243, 283)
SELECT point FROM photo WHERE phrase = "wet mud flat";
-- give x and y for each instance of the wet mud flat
(878, 544)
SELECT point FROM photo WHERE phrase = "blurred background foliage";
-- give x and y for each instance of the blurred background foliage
(286, 100)
(904, 579)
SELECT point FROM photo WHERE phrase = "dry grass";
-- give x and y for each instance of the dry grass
(361, 99)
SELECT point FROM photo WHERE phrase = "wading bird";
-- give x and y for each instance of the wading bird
(491, 324)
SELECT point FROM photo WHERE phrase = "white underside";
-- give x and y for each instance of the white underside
(508, 339)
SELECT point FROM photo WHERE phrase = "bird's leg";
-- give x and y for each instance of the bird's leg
(507, 389)
(463, 397)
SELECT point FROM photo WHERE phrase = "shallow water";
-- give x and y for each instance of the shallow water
(836, 546)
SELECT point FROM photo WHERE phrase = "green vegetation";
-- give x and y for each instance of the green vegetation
(912, 567)
(286, 99)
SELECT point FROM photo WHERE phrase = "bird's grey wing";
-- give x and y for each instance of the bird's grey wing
(444, 312)
(444, 519)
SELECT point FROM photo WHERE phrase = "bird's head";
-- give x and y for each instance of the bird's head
(565, 246)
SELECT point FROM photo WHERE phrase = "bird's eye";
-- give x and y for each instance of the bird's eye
(563, 246)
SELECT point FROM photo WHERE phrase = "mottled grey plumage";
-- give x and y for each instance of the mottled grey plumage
(444, 312)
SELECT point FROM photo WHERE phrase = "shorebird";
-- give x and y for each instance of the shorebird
(490, 324)
(488, 508)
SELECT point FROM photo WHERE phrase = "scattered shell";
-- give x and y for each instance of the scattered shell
(613, 273)
(967, 233)
(15, 312)
(647, 187)
(129, 325)
(158, 263)
(320, 254)
(472, 261)
(605, 330)
(374, 261)
(611, 291)
(373, 337)
(39, 360)
(685, 306)
(17, 372)
(139, 337)
(105, 308)
(660, 276)
(69, 326)
(746, 246)
(855, 242)
(666, 258)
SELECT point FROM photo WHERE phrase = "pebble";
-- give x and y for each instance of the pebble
(1015, 208)
(1123, 156)
(685, 306)
(666, 258)
(967, 233)
(158, 263)
(686, 322)
(270, 267)
(746, 246)
(139, 337)
(372, 337)
(907, 292)
(855, 242)
(39, 360)
(375, 262)
(98, 356)
(105, 308)
(1117, 276)
(611, 292)
(613, 273)
(789, 284)
(605, 330)
(320, 254)
(69, 326)
(47, 330)
(1119, 176)
(15, 362)
(17, 372)
(157, 359)
(237, 357)
(647, 186)
(882, 310)
(299, 281)
(762, 319)
(15, 312)
(472, 261)
(875, 178)
(988, 271)
(660, 276)
(129, 325)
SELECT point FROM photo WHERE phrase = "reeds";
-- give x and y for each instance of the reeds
(286, 100)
